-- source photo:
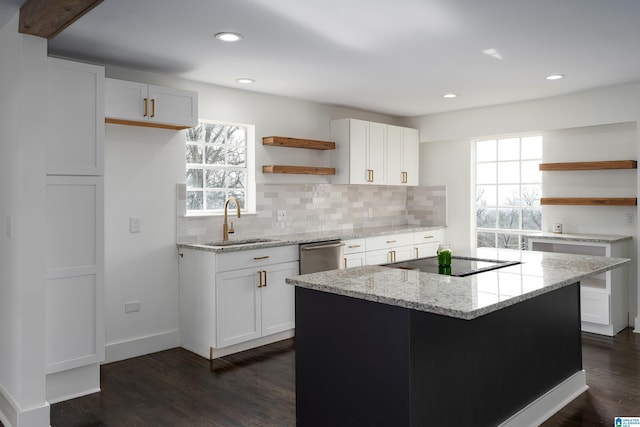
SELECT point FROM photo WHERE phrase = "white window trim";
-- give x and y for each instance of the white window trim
(250, 199)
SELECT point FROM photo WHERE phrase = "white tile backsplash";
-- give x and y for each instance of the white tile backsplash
(319, 207)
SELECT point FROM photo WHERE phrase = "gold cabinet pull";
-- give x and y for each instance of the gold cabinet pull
(354, 246)
(261, 257)
(428, 237)
(153, 107)
(369, 175)
(146, 107)
(405, 177)
(417, 256)
(391, 241)
(393, 256)
(345, 263)
(372, 176)
(263, 279)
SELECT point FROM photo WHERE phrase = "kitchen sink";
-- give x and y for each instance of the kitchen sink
(239, 242)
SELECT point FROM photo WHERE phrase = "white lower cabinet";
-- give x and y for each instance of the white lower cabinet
(604, 299)
(354, 253)
(390, 248)
(237, 300)
(254, 302)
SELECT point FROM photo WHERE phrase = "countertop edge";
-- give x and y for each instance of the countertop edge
(587, 238)
(301, 238)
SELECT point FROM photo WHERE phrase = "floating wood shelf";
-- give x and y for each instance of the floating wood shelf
(109, 120)
(590, 201)
(304, 170)
(583, 166)
(281, 141)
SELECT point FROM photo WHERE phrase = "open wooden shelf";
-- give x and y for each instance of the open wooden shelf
(583, 166)
(590, 201)
(303, 170)
(281, 141)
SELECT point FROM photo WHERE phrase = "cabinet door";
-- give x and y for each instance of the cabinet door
(377, 152)
(75, 122)
(358, 140)
(402, 156)
(124, 100)
(377, 257)
(354, 260)
(395, 156)
(74, 272)
(404, 253)
(173, 106)
(426, 250)
(238, 311)
(278, 298)
(410, 154)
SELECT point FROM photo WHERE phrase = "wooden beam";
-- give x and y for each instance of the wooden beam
(47, 18)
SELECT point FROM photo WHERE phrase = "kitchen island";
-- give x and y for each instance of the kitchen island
(383, 346)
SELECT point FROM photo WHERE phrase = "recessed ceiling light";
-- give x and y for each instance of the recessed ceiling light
(228, 37)
(555, 77)
(245, 81)
(449, 95)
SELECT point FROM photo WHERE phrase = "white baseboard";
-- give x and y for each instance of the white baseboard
(12, 416)
(142, 345)
(72, 383)
(549, 403)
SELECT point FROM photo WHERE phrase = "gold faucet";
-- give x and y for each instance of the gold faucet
(225, 228)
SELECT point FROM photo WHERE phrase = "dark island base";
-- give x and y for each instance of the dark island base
(361, 363)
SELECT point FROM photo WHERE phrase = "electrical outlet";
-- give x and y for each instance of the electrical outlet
(134, 224)
(630, 218)
(282, 215)
(132, 306)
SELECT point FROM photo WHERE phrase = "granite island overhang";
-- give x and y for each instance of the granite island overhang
(382, 346)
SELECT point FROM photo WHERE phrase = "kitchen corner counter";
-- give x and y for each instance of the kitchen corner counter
(587, 238)
(301, 238)
(462, 297)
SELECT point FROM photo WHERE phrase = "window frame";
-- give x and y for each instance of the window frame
(249, 168)
(521, 207)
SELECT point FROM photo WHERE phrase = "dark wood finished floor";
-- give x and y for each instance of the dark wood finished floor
(257, 388)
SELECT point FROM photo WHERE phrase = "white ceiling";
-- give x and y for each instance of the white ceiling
(396, 57)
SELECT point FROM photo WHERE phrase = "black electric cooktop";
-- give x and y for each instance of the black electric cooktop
(460, 266)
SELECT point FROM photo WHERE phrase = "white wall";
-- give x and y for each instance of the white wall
(142, 168)
(593, 125)
(23, 79)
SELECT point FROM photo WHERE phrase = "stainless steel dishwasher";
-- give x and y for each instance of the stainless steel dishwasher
(321, 256)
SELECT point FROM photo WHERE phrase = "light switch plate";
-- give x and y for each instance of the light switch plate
(134, 224)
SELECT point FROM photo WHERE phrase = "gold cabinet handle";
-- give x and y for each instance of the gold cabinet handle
(153, 107)
(263, 279)
(393, 256)
(146, 107)
(372, 176)
(261, 257)
(417, 256)
(428, 237)
(369, 175)
(391, 241)
(354, 246)
(405, 177)
(345, 263)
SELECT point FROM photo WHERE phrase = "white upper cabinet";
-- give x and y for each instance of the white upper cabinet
(402, 149)
(141, 104)
(374, 153)
(359, 157)
(75, 119)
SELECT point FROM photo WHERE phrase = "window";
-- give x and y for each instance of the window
(219, 165)
(508, 189)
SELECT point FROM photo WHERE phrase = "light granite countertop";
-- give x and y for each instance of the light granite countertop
(588, 238)
(301, 238)
(462, 297)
